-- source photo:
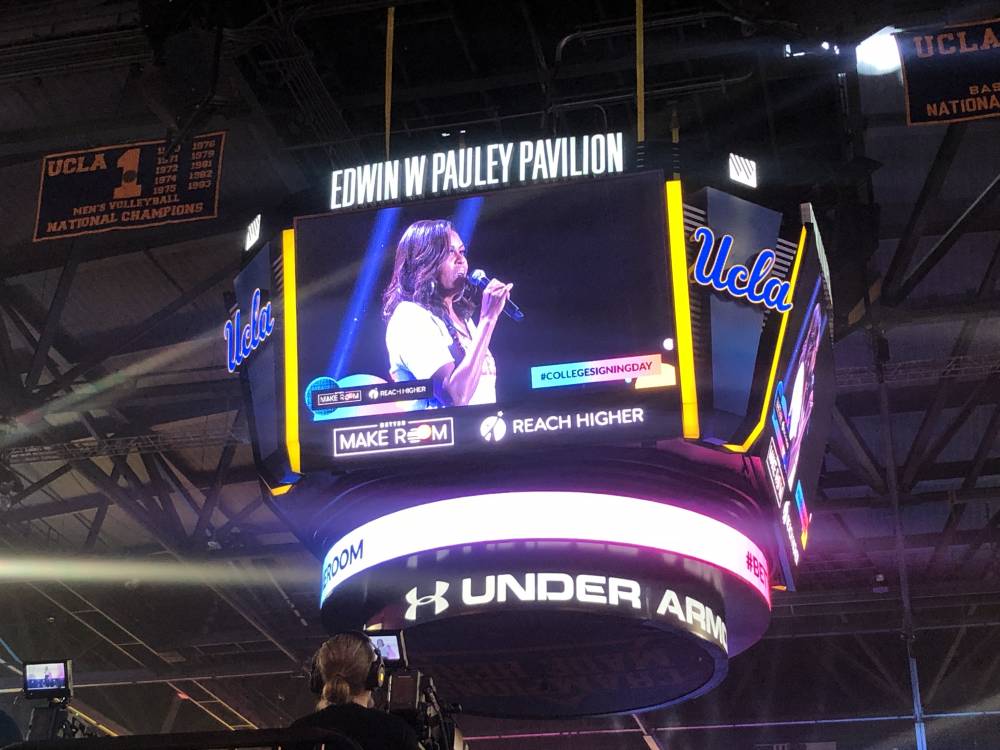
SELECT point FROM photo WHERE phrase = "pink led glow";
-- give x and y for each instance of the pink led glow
(562, 516)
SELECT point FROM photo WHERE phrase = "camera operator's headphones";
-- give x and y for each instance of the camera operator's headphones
(376, 672)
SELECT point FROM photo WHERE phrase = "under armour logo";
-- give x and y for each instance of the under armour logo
(437, 598)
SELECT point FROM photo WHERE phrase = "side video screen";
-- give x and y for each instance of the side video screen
(408, 343)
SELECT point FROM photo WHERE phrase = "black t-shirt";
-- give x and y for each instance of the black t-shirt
(372, 729)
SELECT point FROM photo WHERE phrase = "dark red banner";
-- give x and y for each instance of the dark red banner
(128, 186)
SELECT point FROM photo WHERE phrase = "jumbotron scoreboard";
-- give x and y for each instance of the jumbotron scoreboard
(596, 522)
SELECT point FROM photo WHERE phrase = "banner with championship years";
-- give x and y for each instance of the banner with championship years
(951, 73)
(128, 186)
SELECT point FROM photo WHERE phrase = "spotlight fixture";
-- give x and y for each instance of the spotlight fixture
(878, 55)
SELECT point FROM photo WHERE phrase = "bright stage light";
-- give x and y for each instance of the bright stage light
(162, 572)
(878, 55)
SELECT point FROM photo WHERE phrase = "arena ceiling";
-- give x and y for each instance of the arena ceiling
(122, 440)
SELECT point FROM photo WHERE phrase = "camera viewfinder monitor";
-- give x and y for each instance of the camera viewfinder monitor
(48, 679)
(391, 646)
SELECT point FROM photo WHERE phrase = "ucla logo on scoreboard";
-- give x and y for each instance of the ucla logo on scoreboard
(242, 341)
(754, 284)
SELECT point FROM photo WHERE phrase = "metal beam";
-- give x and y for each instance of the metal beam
(21, 323)
(944, 244)
(930, 190)
(986, 535)
(38, 484)
(957, 593)
(860, 453)
(212, 497)
(948, 658)
(161, 490)
(156, 442)
(781, 631)
(147, 496)
(101, 480)
(987, 676)
(912, 542)
(12, 389)
(880, 354)
(972, 496)
(142, 329)
(237, 518)
(49, 510)
(959, 310)
(855, 544)
(941, 470)
(48, 333)
(116, 494)
(986, 444)
(947, 536)
(973, 401)
(94, 532)
(878, 675)
(918, 455)
(985, 447)
(174, 481)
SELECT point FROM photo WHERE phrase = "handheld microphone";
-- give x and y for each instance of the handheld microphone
(479, 279)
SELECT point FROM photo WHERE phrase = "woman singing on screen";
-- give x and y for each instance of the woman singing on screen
(430, 333)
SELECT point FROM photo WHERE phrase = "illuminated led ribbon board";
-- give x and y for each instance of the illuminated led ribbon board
(536, 515)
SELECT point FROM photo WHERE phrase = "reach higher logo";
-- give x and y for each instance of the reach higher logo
(544, 588)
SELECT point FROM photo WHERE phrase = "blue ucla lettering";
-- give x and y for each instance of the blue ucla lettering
(240, 342)
(755, 284)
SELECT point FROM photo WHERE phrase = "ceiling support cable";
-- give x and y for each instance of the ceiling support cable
(880, 352)
(640, 74)
(390, 30)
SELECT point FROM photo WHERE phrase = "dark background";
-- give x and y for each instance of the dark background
(80, 73)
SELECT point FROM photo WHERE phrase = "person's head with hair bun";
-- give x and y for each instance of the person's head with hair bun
(344, 662)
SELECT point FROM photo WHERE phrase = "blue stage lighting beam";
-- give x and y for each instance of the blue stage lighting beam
(466, 216)
(385, 223)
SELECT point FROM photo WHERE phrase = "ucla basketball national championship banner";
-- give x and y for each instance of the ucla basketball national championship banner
(951, 73)
(128, 186)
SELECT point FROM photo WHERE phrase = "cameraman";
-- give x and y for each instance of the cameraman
(346, 669)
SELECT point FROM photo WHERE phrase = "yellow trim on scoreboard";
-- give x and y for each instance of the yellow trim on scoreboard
(690, 425)
(291, 352)
(758, 428)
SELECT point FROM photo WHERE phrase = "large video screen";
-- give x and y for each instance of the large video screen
(794, 441)
(401, 355)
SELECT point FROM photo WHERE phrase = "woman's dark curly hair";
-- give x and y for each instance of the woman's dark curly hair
(421, 250)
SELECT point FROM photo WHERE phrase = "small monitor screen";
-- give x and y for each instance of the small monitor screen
(388, 646)
(47, 679)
